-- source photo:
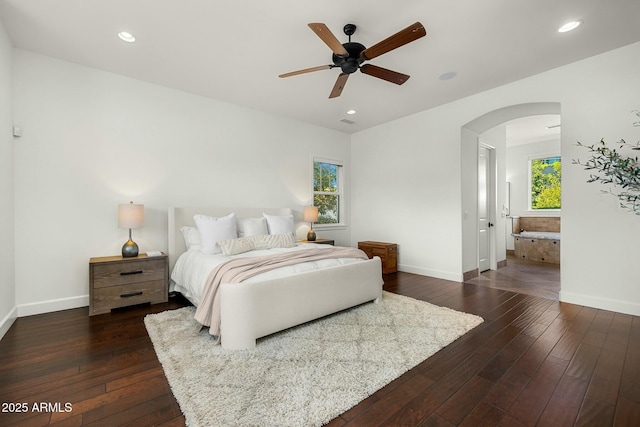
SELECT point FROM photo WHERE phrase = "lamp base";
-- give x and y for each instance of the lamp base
(129, 249)
(311, 236)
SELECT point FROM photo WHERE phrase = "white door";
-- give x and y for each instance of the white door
(485, 197)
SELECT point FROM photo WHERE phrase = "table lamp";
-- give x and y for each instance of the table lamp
(130, 216)
(310, 215)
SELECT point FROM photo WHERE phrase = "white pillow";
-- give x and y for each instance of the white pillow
(252, 226)
(280, 224)
(236, 246)
(191, 238)
(211, 229)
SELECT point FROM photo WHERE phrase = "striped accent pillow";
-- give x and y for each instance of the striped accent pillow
(263, 241)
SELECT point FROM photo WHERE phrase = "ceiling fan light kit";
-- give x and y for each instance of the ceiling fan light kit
(349, 57)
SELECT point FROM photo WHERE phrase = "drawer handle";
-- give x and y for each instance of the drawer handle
(132, 294)
(127, 273)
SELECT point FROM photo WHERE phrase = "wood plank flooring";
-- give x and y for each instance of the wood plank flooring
(525, 277)
(534, 361)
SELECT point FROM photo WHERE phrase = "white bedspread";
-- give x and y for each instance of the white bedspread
(193, 267)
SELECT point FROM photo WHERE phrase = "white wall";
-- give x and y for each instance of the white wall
(406, 190)
(93, 140)
(599, 239)
(417, 200)
(7, 270)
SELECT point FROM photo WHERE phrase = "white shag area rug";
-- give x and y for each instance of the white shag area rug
(304, 376)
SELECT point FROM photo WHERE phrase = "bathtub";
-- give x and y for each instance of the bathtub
(540, 246)
(540, 235)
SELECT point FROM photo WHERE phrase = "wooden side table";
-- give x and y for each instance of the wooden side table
(388, 253)
(320, 241)
(116, 282)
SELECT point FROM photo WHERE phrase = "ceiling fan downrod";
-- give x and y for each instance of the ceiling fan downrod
(349, 30)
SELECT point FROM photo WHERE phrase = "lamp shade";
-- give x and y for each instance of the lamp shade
(310, 214)
(130, 215)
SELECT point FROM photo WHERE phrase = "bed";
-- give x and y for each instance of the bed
(276, 300)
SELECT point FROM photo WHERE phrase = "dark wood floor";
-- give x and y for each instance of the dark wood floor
(534, 361)
(525, 277)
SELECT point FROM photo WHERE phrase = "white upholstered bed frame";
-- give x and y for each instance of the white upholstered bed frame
(253, 310)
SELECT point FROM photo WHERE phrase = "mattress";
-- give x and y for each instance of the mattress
(540, 235)
(193, 267)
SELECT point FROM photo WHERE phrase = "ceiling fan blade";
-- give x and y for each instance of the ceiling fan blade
(327, 36)
(306, 70)
(337, 88)
(384, 74)
(409, 34)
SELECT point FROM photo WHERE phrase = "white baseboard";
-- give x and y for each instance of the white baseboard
(8, 321)
(455, 277)
(52, 305)
(618, 306)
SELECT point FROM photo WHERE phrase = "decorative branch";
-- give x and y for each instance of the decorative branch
(611, 167)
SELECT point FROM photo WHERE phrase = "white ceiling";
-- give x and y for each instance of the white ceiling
(233, 50)
(527, 130)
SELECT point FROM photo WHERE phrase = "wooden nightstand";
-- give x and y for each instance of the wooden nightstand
(320, 241)
(115, 282)
(388, 253)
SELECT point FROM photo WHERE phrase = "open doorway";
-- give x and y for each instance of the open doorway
(533, 171)
(505, 128)
(531, 143)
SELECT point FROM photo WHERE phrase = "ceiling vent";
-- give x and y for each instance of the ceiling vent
(347, 121)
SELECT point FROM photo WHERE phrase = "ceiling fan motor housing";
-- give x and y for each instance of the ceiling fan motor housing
(351, 63)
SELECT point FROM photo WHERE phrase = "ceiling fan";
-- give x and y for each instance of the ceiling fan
(349, 57)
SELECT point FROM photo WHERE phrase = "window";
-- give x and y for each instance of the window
(545, 177)
(327, 191)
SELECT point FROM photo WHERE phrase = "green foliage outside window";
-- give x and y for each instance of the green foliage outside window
(546, 187)
(326, 192)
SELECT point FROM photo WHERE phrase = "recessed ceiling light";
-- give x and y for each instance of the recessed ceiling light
(569, 26)
(127, 37)
(351, 112)
(448, 76)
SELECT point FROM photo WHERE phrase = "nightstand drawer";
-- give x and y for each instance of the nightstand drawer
(114, 274)
(104, 299)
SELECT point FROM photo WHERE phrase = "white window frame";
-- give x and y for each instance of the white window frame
(340, 193)
(529, 161)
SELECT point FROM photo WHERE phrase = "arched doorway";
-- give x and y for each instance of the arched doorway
(470, 146)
